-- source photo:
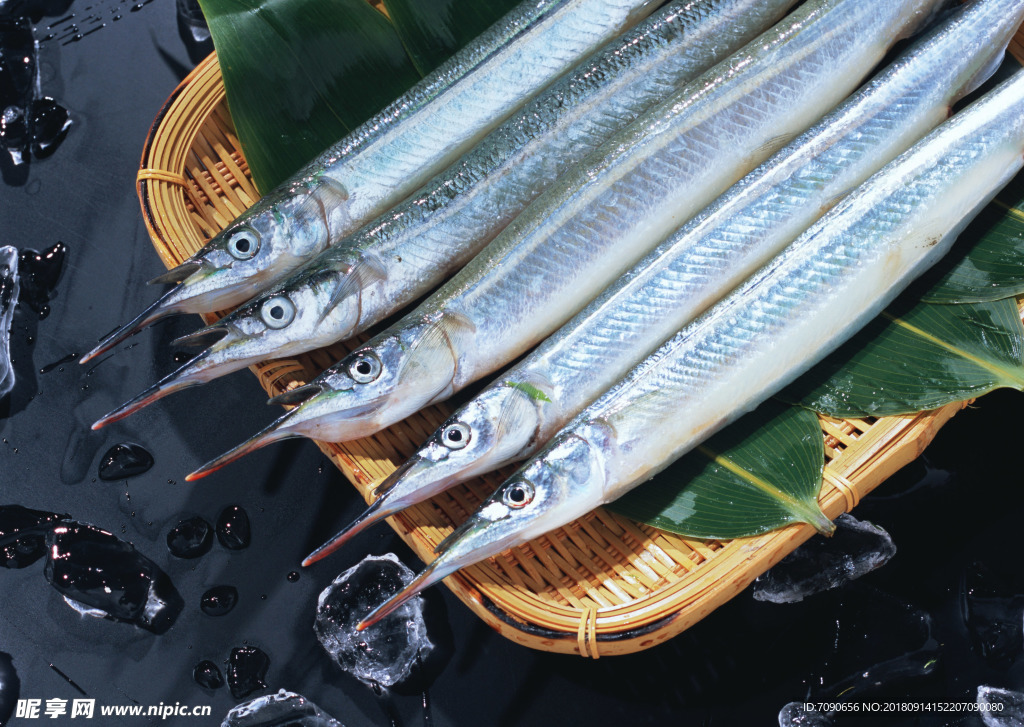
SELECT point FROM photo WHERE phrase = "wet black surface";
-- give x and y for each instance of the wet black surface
(737, 667)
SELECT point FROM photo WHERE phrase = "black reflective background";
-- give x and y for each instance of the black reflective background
(957, 525)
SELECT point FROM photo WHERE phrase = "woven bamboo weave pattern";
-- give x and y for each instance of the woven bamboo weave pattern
(602, 585)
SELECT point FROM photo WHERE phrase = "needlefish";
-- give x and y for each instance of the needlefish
(707, 257)
(599, 219)
(391, 155)
(411, 249)
(760, 337)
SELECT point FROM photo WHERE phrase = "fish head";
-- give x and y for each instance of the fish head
(284, 321)
(555, 488)
(561, 484)
(378, 384)
(274, 237)
(491, 430)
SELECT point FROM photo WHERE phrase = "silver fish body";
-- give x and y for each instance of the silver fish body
(392, 154)
(413, 248)
(599, 219)
(706, 258)
(759, 338)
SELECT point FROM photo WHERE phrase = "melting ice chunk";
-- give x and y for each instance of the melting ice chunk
(992, 602)
(383, 654)
(794, 715)
(1000, 707)
(102, 574)
(283, 708)
(8, 299)
(190, 15)
(819, 564)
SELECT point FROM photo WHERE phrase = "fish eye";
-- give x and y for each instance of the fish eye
(365, 368)
(243, 244)
(456, 436)
(278, 312)
(518, 494)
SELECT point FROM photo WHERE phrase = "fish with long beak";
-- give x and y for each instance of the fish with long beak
(412, 248)
(603, 216)
(500, 425)
(518, 511)
(364, 391)
(391, 155)
(772, 328)
(513, 417)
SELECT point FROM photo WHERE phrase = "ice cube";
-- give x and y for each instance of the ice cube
(283, 708)
(992, 603)
(98, 570)
(821, 563)
(8, 299)
(1000, 707)
(190, 16)
(386, 653)
(794, 715)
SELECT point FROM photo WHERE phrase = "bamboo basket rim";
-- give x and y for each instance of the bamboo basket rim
(602, 585)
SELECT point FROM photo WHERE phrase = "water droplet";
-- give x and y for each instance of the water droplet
(219, 600)
(190, 538)
(40, 273)
(59, 365)
(293, 577)
(207, 675)
(233, 529)
(124, 460)
(247, 669)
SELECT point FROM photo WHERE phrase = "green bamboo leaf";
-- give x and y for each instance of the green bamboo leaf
(759, 474)
(433, 30)
(916, 357)
(300, 74)
(985, 264)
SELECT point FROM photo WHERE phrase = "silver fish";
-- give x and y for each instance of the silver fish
(775, 326)
(391, 155)
(706, 258)
(411, 249)
(599, 219)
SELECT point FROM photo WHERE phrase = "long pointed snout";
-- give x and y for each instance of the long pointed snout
(161, 308)
(208, 365)
(392, 498)
(193, 373)
(430, 575)
(372, 514)
(276, 432)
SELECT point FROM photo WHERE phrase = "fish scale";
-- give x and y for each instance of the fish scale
(597, 221)
(703, 260)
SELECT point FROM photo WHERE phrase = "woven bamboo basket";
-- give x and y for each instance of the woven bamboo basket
(602, 585)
